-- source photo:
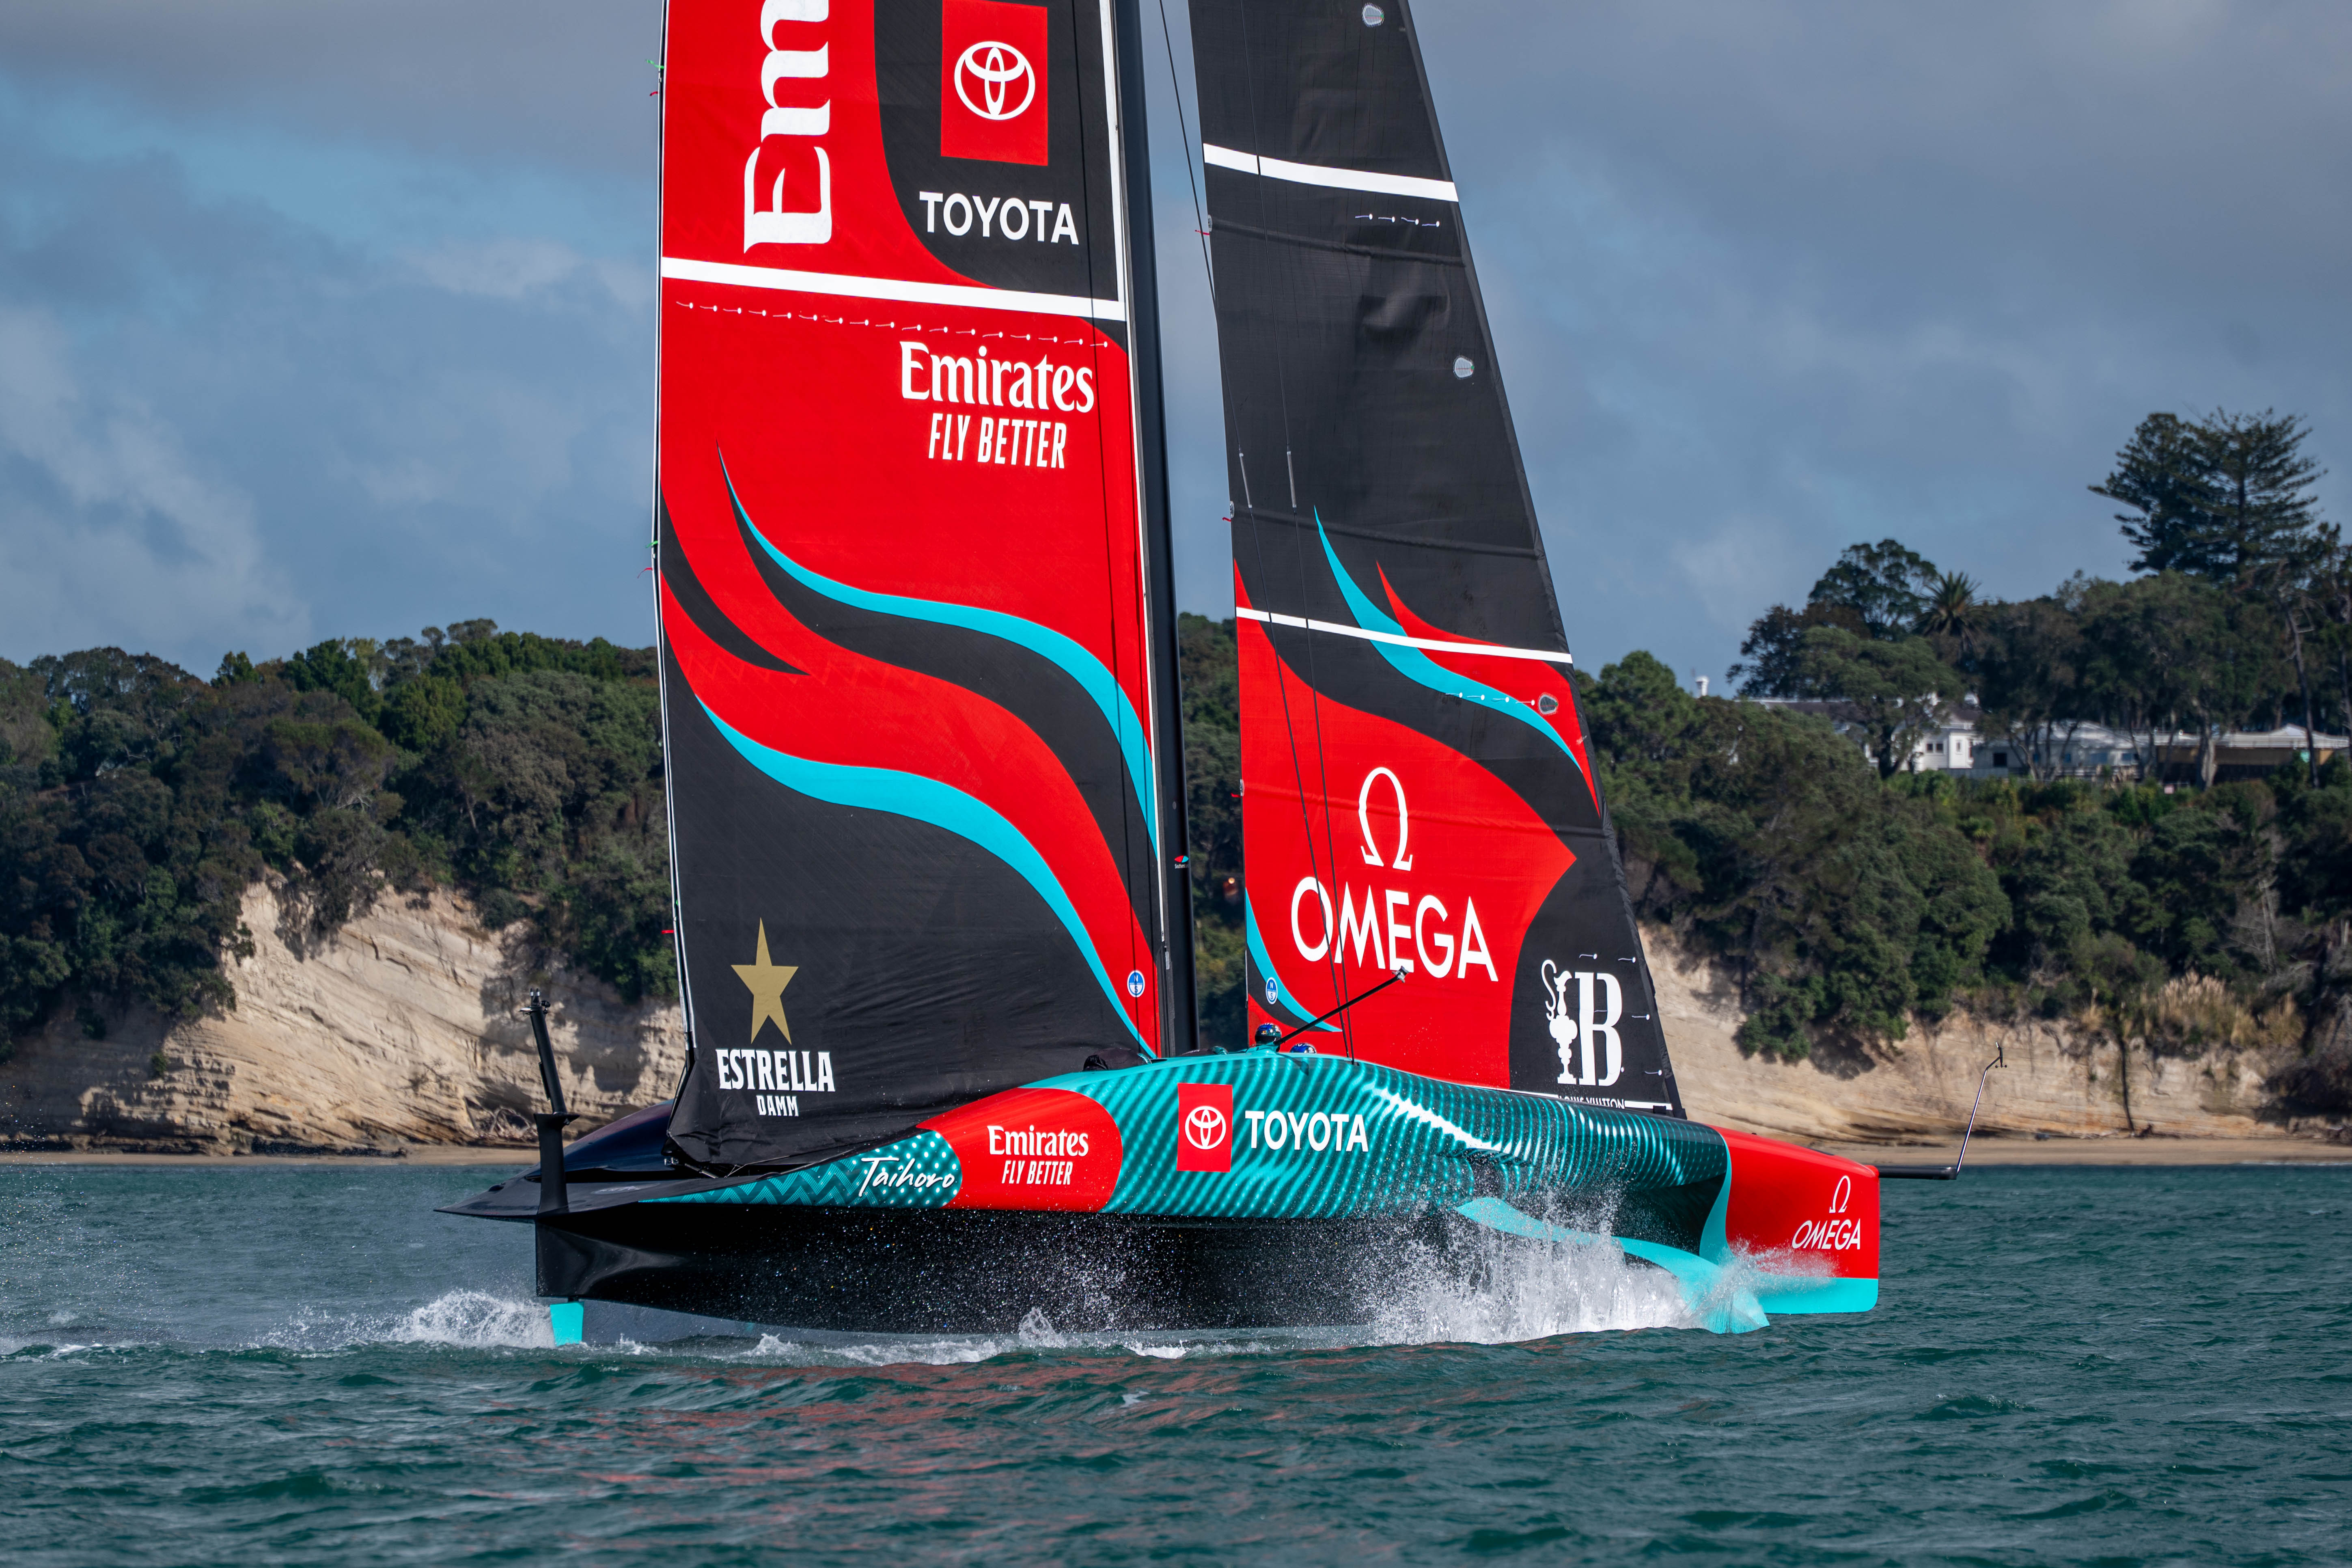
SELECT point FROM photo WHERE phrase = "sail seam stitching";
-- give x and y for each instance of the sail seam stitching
(685, 269)
(1427, 645)
(1327, 177)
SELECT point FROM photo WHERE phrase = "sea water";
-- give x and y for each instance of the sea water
(304, 1364)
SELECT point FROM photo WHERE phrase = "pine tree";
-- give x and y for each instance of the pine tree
(2163, 476)
(2265, 512)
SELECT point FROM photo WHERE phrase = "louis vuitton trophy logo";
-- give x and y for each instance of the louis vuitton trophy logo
(1586, 1037)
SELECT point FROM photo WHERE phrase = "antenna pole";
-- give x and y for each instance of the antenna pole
(1951, 1173)
(553, 1195)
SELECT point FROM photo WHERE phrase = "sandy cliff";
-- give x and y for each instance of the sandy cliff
(399, 1030)
(2057, 1081)
(402, 1031)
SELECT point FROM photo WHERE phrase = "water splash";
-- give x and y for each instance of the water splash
(475, 1319)
(464, 1319)
(1480, 1287)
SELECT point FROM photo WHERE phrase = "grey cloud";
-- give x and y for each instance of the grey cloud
(1767, 278)
(562, 82)
(250, 435)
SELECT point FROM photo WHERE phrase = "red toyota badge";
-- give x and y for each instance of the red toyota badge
(1204, 1127)
(993, 70)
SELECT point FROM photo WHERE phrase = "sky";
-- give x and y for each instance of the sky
(321, 318)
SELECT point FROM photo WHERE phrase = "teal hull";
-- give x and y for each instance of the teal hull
(1292, 1151)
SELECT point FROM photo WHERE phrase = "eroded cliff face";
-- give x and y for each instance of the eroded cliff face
(400, 1030)
(2057, 1079)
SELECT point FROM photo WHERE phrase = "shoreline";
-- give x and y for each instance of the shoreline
(2117, 1151)
(2110, 1151)
(489, 1156)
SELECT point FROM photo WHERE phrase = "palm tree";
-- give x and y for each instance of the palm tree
(1953, 611)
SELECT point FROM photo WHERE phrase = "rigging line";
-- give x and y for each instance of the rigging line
(1297, 769)
(1176, 90)
(1323, 775)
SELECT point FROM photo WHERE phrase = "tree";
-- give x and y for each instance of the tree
(2028, 671)
(1771, 662)
(1896, 690)
(1953, 617)
(2219, 497)
(2331, 591)
(2264, 513)
(1887, 585)
(2162, 475)
(1876, 591)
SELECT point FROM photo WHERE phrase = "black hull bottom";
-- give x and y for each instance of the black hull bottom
(935, 1271)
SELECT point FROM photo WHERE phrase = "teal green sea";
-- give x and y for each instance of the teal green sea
(307, 1365)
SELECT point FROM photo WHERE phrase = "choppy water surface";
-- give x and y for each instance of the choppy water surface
(303, 1364)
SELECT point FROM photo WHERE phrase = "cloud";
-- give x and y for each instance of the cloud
(560, 83)
(1767, 277)
(514, 266)
(115, 534)
(223, 425)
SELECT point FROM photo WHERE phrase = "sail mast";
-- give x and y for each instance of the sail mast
(1179, 1009)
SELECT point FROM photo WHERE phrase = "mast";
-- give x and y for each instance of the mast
(1180, 1007)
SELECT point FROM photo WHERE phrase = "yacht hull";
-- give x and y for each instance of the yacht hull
(1204, 1193)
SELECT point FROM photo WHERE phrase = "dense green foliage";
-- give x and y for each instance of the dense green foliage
(1213, 767)
(2244, 618)
(1850, 905)
(1848, 902)
(137, 803)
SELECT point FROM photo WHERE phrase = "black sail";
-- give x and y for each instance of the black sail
(1418, 797)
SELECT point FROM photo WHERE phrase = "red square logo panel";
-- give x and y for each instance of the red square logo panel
(1204, 1127)
(992, 72)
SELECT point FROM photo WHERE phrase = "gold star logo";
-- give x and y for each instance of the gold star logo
(766, 982)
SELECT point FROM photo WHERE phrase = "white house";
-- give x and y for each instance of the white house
(2082, 750)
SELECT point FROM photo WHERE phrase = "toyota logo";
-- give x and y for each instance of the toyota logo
(998, 70)
(1204, 1127)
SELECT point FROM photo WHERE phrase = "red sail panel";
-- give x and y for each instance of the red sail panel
(908, 664)
(1377, 849)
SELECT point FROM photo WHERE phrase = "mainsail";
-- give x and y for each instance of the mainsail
(912, 544)
(1417, 792)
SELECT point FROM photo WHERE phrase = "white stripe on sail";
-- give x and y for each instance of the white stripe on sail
(1430, 645)
(689, 271)
(1331, 179)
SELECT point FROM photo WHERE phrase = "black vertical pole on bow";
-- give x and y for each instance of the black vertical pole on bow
(553, 1196)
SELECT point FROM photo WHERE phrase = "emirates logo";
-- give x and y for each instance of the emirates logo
(1205, 1128)
(998, 72)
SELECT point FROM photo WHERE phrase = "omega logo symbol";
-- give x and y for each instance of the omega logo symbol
(1842, 1195)
(998, 70)
(1403, 862)
(1204, 1127)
